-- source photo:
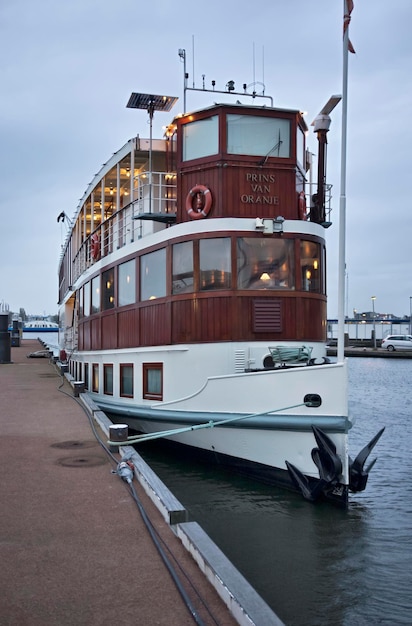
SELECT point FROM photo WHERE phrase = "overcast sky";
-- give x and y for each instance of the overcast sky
(68, 68)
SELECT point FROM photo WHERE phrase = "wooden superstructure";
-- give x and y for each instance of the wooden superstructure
(203, 149)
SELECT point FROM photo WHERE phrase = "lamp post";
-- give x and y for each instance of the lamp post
(373, 311)
(410, 315)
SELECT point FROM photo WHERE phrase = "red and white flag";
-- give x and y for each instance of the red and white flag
(346, 22)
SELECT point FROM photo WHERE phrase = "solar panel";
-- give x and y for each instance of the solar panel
(155, 103)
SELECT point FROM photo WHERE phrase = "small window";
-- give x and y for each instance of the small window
(108, 289)
(95, 295)
(108, 379)
(310, 266)
(86, 300)
(127, 283)
(153, 381)
(86, 376)
(95, 381)
(126, 380)
(215, 264)
(182, 279)
(153, 275)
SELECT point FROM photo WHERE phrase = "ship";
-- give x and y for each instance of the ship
(192, 292)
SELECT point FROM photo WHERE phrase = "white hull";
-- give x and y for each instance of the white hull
(280, 424)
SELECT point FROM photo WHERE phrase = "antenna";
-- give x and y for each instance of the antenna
(263, 64)
(254, 77)
(230, 85)
(193, 60)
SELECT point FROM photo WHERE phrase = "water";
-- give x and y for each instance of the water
(316, 565)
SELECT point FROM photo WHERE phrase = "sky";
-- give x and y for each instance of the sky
(68, 69)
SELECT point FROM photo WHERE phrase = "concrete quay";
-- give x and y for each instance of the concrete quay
(74, 547)
(368, 352)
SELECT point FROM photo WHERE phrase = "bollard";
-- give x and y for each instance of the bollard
(5, 343)
(118, 432)
(78, 387)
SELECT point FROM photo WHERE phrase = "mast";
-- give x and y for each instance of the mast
(347, 9)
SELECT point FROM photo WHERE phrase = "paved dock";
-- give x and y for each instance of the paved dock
(74, 549)
(368, 352)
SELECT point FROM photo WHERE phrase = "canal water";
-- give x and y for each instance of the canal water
(316, 565)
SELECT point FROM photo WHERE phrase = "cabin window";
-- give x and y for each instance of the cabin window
(86, 375)
(86, 299)
(126, 380)
(153, 275)
(260, 136)
(265, 263)
(201, 138)
(182, 278)
(127, 283)
(108, 289)
(108, 379)
(311, 270)
(95, 380)
(215, 264)
(153, 381)
(300, 147)
(95, 304)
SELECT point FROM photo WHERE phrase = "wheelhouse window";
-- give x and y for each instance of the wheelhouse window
(95, 379)
(215, 264)
(201, 138)
(108, 289)
(260, 136)
(153, 381)
(300, 147)
(153, 275)
(182, 278)
(127, 283)
(95, 304)
(311, 270)
(126, 380)
(265, 263)
(108, 379)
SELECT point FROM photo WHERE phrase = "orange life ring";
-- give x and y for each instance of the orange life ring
(302, 206)
(95, 246)
(204, 200)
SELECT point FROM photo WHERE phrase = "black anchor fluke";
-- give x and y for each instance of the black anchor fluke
(358, 476)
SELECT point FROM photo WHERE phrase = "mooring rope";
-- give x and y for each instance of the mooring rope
(187, 429)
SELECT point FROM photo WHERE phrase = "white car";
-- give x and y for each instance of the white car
(397, 342)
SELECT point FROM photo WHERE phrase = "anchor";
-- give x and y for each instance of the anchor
(330, 468)
(358, 477)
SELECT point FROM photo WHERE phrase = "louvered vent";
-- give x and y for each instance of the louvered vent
(267, 316)
(240, 361)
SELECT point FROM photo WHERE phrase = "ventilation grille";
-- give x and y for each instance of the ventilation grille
(267, 316)
(240, 361)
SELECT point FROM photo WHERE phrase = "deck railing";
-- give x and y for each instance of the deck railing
(151, 196)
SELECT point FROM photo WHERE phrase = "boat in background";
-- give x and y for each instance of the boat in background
(192, 293)
(40, 326)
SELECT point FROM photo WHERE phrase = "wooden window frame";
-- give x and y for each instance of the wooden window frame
(122, 393)
(147, 395)
(107, 367)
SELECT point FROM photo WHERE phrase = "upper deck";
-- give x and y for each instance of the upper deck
(232, 160)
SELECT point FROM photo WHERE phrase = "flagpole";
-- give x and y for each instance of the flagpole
(342, 201)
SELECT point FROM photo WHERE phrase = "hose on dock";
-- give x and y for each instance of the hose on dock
(124, 471)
